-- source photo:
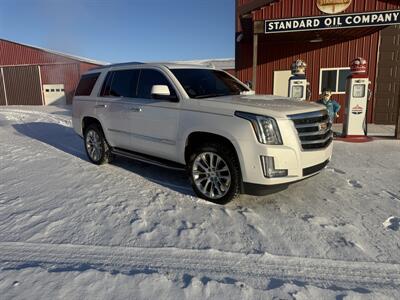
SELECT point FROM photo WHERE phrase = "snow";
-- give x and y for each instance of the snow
(70, 229)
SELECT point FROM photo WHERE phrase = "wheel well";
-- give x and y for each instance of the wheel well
(89, 121)
(196, 139)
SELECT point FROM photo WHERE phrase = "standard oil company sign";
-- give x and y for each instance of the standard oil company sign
(381, 18)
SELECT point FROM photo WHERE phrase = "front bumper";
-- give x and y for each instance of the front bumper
(299, 164)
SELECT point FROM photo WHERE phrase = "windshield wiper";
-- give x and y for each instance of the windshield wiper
(209, 96)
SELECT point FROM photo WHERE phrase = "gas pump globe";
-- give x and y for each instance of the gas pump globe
(357, 96)
(298, 85)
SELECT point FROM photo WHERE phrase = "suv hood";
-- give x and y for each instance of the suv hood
(274, 106)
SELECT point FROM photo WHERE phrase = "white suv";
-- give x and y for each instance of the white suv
(203, 120)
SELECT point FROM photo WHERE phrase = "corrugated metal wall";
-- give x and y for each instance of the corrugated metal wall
(54, 69)
(67, 74)
(23, 85)
(275, 56)
(2, 94)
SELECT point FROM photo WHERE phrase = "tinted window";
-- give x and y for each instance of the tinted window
(204, 83)
(329, 80)
(343, 74)
(105, 89)
(86, 84)
(148, 78)
(124, 83)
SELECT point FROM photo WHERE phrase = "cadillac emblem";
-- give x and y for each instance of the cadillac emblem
(333, 6)
(322, 126)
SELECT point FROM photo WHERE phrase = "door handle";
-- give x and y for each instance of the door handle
(136, 109)
(101, 106)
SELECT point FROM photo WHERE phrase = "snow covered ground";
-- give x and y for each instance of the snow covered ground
(73, 230)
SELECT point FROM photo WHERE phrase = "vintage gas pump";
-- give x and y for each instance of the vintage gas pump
(298, 85)
(357, 96)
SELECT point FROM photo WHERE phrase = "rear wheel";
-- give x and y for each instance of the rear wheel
(96, 145)
(214, 173)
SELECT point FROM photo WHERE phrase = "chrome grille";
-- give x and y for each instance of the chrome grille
(314, 129)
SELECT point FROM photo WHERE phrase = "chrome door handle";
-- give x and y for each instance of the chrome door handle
(101, 106)
(136, 109)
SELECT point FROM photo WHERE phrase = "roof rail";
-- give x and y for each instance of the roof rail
(119, 65)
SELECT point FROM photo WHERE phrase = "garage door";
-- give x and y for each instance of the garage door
(388, 81)
(2, 91)
(22, 85)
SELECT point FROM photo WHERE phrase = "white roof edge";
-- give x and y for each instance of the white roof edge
(71, 56)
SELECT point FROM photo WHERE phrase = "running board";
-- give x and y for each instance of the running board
(149, 159)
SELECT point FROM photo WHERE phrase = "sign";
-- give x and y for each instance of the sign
(357, 110)
(382, 18)
(333, 6)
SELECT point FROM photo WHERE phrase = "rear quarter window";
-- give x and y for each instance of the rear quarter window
(86, 84)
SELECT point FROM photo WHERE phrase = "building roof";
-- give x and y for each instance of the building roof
(66, 55)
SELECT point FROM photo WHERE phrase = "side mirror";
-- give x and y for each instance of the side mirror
(162, 92)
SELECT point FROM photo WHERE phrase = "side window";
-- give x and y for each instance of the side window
(86, 84)
(105, 89)
(123, 84)
(148, 78)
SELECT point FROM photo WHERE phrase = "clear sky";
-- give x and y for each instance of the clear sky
(123, 30)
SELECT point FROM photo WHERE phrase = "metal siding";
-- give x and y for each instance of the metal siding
(23, 85)
(16, 54)
(67, 74)
(2, 94)
(274, 56)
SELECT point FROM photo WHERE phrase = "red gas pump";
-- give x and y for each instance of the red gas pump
(357, 97)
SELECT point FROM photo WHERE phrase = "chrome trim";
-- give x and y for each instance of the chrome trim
(313, 114)
(317, 141)
(309, 125)
(303, 134)
(145, 137)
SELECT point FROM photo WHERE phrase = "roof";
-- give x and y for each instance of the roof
(214, 64)
(70, 56)
(221, 63)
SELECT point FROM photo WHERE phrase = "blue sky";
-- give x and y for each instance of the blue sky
(123, 30)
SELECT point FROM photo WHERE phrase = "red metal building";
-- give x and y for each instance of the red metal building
(263, 50)
(31, 75)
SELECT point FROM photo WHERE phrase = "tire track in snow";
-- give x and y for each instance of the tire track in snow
(217, 265)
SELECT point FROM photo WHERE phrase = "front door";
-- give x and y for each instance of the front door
(154, 122)
(388, 81)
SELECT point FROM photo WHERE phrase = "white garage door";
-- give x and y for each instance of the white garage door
(54, 94)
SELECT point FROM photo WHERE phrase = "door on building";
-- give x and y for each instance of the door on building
(281, 83)
(388, 80)
(54, 94)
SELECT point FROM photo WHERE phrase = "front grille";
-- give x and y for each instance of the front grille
(314, 129)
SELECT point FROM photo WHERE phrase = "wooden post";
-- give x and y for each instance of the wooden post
(255, 56)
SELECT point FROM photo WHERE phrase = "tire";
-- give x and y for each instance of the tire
(97, 149)
(209, 166)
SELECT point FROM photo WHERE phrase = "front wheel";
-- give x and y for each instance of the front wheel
(215, 173)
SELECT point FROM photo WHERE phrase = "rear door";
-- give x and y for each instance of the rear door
(116, 108)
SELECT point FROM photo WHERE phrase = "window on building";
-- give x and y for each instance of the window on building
(334, 79)
(86, 84)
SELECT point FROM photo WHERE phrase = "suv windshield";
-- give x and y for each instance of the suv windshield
(205, 83)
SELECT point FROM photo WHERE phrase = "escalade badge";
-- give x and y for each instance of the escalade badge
(322, 126)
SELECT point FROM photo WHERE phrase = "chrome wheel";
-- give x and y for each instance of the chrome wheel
(94, 145)
(211, 175)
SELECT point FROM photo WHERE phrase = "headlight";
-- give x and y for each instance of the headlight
(266, 129)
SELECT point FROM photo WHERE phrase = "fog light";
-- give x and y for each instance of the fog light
(268, 166)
